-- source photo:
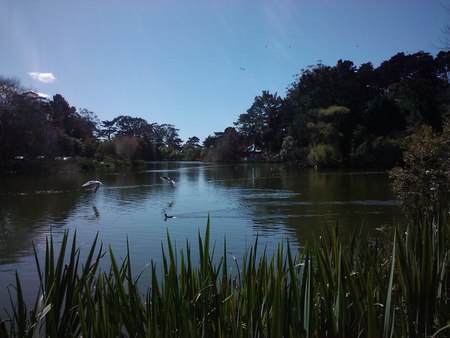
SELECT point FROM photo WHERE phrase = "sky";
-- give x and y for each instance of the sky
(199, 64)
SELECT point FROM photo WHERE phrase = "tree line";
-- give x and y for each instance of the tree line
(331, 116)
(351, 116)
(33, 127)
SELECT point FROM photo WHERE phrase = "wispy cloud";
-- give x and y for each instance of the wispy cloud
(43, 77)
(43, 95)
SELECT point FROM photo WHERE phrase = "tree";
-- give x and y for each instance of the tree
(223, 146)
(260, 124)
(193, 141)
(125, 146)
(322, 86)
(211, 140)
(416, 84)
(423, 182)
(25, 127)
(290, 152)
(9, 87)
(383, 117)
(107, 129)
(326, 130)
(131, 126)
(89, 122)
(325, 155)
(62, 114)
(137, 128)
(192, 149)
(442, 61)
(170, 136)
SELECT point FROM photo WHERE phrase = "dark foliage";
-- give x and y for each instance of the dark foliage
(332, 116)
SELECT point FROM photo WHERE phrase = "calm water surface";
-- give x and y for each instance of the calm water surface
(243, 201)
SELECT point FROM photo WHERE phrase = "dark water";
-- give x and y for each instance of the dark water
(242, 200)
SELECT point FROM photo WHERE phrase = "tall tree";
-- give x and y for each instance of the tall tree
(25, 128)
(260, 124)
(327, 136)
(107, 129)
(170, 137)
(227, 147)
(192, 149)
(9, 87)
(89, 122)
(137, 128)
(62, 114)
(415, 83)
(131, 126)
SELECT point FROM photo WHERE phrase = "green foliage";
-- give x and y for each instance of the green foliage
(424, 179)
(125, 146)
(333, 289)
(383, 117)
(358, 112)
(290, 152)
(224, 147)
(192, 150)
(32, 126)
(393, 284)
(324, 155)
(392, 101)
(378, 152)
(261, 121)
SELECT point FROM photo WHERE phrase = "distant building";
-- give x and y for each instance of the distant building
(253, 152)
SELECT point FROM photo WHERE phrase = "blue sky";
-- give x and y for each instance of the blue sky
(199, 64)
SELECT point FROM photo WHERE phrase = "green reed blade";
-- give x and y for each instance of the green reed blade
(389, 311)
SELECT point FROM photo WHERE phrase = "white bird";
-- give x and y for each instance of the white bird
(94, 184)
(168, 180)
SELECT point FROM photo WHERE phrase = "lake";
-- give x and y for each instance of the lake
(272, 201)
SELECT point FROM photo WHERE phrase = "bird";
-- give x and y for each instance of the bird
(168, 180)
(94, 184)
(167, 216)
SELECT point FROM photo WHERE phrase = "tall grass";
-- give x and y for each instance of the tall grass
(393, 285)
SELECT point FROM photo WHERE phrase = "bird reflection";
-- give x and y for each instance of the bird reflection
(169, 205)
(96, 213)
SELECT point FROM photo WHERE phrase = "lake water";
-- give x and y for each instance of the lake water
(271, 201)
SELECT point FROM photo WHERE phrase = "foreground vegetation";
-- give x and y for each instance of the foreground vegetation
(395, 284)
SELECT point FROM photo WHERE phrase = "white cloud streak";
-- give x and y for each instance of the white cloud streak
(43, 77)
(43, 95)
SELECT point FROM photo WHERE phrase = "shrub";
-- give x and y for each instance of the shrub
(424, 180)
(324, 155)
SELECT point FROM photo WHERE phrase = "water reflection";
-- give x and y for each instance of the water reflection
(243, 200)
(27, 209)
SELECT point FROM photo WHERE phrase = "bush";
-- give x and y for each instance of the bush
(378, 152)
(324, 155)
(424, 180)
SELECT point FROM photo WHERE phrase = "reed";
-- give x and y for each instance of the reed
(395, 284)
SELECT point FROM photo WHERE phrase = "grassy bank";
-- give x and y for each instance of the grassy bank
(395, 284)
(61, 165)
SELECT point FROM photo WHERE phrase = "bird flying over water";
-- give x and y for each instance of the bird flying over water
(168, 180)
(95, 185)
